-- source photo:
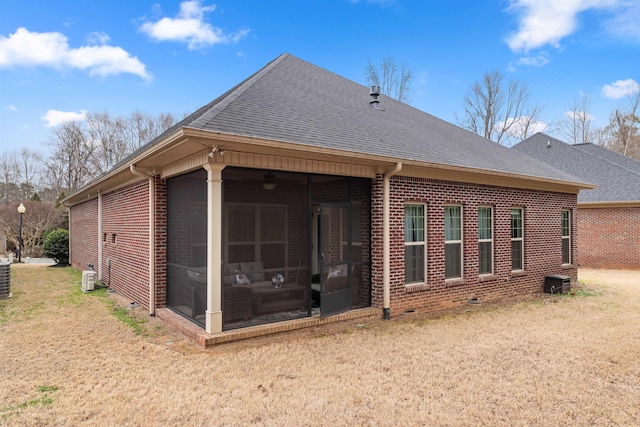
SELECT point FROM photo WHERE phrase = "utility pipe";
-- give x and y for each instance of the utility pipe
(152, 236)
(386, 241)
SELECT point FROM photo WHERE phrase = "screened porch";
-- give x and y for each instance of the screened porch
(293, 245)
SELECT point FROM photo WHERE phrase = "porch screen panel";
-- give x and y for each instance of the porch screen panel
(265, 247)
(187, 245)
(241, 233)
(273, 235)
(355, 234)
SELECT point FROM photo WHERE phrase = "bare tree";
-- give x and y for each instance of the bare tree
(623, 130)
(8, 187)
(19, 175)
(392, 78)
(139, 128)
(575, 128)
(69, 165)
(81, 151)
(39, 218)
(27, 173)
(498, 111)
(103, 138)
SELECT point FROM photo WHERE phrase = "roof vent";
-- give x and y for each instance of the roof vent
(375, 93)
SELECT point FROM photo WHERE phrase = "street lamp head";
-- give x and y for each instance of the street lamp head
(21, 209)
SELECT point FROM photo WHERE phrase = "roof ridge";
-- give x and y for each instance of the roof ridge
(604, 159)
(223, 102)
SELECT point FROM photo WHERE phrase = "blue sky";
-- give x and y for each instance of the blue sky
(61, 59)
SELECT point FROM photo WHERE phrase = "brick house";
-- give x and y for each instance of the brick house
(299, 194)
(608, 216)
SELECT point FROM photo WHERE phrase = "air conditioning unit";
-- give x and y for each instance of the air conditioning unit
(88, 280)
(557, 284)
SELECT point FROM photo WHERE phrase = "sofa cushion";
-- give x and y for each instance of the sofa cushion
(253, 270)
(238, 272)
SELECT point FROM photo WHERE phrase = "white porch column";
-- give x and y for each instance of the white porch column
(214, 247)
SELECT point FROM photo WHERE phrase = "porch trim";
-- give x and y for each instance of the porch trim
(206, 339)
(263, 161)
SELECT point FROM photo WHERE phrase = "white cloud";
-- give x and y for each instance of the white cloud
(626, 22)
(10, 107)
(620, 88)
(98, 38)
(534, 61)
(546, 22)
(581, 116)
(55, 117)
(30, 49)
(190, 27)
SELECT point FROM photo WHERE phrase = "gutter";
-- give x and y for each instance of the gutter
(386, 241)
(152, 237)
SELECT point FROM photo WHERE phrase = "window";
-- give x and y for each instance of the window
(485, 240)
(517, 240)
(452, 242)
(257, 233)
(414, 244)
(566, 237)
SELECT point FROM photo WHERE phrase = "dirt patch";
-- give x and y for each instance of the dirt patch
(535, 360)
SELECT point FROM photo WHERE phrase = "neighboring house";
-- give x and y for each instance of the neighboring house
(345, 200)
(608, 216)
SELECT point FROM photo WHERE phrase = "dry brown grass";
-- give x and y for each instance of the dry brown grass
(542, 360)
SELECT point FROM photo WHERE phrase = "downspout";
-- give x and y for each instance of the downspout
(100, 235)
(152, 237)
(70, 234)
(386, 241)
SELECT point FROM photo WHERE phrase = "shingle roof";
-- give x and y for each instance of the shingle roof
(617, 176)
(294, 101)
(610, 156)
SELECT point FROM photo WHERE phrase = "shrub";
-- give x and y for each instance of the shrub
(56, 246)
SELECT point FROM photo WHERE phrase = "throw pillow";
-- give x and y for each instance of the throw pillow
(334, 272)
(241, 279)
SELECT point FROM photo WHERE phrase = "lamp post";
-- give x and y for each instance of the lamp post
(21, 211)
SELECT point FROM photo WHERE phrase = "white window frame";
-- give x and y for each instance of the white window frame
(490, 240)
(566, 237)
(517, 239)
(422, 243)
(459, 242)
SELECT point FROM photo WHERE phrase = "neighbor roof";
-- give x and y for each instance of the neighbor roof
(617, 176)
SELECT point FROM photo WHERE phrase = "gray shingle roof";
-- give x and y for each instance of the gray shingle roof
(617, 176)
(294, 101)
(610, 156)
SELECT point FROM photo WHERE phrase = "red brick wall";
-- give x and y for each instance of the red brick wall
(609, 238)
(542, 237)
(84, 235)
(125, 222)
(125, 216)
